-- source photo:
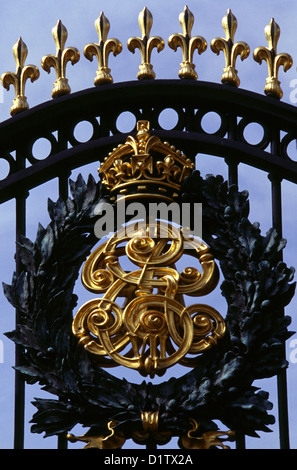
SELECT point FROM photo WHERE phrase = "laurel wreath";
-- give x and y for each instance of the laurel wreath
(257, 286)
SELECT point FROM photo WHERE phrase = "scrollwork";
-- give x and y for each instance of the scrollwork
(149, 322)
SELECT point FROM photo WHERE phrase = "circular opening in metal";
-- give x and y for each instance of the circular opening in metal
(42, 148)
(292, 150)
(211, 122)
(253, 133)
(83, 131)
(126, 122)
(168, 119)
(4, 168)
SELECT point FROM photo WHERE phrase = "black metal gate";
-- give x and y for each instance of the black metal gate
(101, 106)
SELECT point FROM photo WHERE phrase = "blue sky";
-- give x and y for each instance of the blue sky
(33, 21)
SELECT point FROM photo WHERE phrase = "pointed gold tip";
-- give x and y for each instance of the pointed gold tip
(273, 60)
(145, 44)
(102, 50)
(19, 79)
(187, 44)
(60, 60)
(230, 49)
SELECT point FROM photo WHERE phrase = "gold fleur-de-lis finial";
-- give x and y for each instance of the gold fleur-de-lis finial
(59, 61)
(19, 78)
(187, 44)
(145, 44)
(231, 50)
(102, 50)
(274, 60)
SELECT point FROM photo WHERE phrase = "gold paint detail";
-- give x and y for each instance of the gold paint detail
(153, 329)
(60, 60)
(150, 424)
(145, 44)
(273, 59)
(150, 421)
(187, 44)
(132, 166)
(19, 78)
(102, 50)
(207, 440)
(113, 440)
(230, 49)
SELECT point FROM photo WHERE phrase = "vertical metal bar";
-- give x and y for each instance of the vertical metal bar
(276, 201)
(282, 376)
(63, 186)
(63, 193)
(19, 410)
(62, 442)
(233, 180)
(240, 441)
(233, 173)
(19, 393)
(64, 175)
(232, 165)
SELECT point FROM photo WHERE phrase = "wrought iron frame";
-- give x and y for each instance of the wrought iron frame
(191, 101)
(146, 99)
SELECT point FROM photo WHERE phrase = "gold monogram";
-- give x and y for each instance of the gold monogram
(153, 329)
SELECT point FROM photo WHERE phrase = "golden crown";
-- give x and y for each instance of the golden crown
(145, 167)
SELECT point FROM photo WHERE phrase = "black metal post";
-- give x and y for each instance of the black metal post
(19, 411)
(276, 201)
(232, 165)
(233, 180)
(240, 441)
(63, 186)
(233, 173)
(63, 193)
(282, 376)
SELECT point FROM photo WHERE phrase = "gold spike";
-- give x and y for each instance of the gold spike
(59, 61)
(274, 60)
(18, 79)
(102, 50)
(231, 50)
(145, 45)
(187, 44)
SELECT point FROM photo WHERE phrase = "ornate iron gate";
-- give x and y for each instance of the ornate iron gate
(257, 283)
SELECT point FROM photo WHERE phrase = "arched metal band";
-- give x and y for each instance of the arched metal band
(101, 106)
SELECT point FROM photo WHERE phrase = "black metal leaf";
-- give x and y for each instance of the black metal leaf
(256, 286)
